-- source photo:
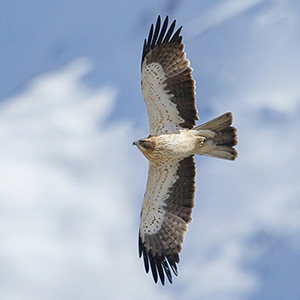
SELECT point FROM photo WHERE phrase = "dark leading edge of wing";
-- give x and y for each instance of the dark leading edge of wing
(160, 251)
(166, 48)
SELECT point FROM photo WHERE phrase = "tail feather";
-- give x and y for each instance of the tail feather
(218, 123)
(220, 137)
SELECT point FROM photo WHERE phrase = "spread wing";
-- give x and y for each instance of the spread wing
(166, 211)
(167, 83)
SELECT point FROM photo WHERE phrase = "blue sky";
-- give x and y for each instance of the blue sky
(71, 184)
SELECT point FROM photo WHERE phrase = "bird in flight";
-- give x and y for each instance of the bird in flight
(169, 93)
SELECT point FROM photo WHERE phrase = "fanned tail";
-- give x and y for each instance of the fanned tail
(220, 137)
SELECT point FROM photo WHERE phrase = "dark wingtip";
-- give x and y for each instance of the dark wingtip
(167, 270)
(163, 30)
(140, 247)
(156, 31)
(161, 34)
(160, 272)
(176, 36)
(172, 260)
(169, 33)
(146, 261)
(153, 268)
(174, 268)
(150, 35)
(160, 265)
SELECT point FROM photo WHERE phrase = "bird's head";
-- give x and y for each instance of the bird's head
(146, 146)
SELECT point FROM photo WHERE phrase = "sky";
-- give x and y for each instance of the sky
(72, 184)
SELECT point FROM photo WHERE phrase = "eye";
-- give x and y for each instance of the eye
(144, 144)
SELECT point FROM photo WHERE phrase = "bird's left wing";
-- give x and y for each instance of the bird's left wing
(167, 83)
(166, 211)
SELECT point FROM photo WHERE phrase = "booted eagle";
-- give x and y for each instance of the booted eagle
(169, 93)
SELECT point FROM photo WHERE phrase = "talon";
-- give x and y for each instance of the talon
(202, 140)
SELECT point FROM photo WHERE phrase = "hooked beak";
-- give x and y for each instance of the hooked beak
(134, 143)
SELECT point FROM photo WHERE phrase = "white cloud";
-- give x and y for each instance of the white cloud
(68, 216)
(218, 14)
(259, 193)
(71, 183)
(68, 232)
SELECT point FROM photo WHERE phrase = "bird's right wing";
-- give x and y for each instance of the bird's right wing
(167, 83)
